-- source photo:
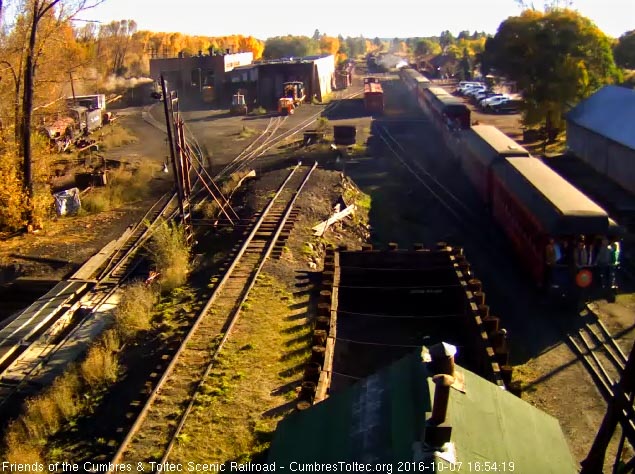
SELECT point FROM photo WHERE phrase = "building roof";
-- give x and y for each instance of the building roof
(497, 141)
(380, 420)
(609, 112)
(560, 207)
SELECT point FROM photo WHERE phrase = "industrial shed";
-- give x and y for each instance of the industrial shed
(201, 77)
(601, 131)
(263, 80)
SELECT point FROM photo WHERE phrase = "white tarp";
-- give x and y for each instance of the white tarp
(67, 202)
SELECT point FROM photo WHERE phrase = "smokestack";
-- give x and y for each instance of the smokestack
(443, 383)
(442, 356)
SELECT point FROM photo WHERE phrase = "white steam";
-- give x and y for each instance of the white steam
(113, 83)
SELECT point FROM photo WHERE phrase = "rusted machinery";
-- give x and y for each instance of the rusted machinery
(294, 90)
(286, 106)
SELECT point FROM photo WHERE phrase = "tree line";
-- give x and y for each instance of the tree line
(557, 57)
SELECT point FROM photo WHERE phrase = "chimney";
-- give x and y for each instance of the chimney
(227, 51)
(442, 356)
(437, 430)
(442, 382)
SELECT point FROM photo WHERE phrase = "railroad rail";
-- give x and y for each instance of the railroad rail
(27, 354)
(192, 362)
(596, 347)
(605, 361)
(466, 217)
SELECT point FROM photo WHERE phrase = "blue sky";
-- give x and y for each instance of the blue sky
(388, 19)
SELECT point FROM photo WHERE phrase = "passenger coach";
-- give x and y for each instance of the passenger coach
(479, 148)
(446, 109)
(533, 204)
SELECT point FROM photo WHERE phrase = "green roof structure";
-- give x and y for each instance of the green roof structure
(382, 419)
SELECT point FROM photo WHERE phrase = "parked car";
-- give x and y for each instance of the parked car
(495, 102)
(475, 90)
(492, 99)
(483, 95)
(462, 90)
(509, 106)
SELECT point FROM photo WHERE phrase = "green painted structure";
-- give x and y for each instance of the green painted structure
(381, 419)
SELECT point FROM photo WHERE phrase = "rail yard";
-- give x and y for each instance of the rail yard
(260, 332)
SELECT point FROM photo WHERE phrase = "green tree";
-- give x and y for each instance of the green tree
(426, 46)
(624, 50)
(290, 46)
(446, 39)
(556, 58)
(355, 46)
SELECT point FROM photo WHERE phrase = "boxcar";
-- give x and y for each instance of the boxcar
(481, 147)
(533, 203)
(373, 98)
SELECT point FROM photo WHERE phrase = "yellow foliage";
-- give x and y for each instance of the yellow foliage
(329, 45)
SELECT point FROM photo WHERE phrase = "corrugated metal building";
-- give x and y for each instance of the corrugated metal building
(263, 80)
(601, 131)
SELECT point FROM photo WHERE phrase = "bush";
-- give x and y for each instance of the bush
(20, 449)
(133, 313)
(100, 368)
(13, 201)
(124, 185)
(258, 111)
(64, 392)
(170, 255)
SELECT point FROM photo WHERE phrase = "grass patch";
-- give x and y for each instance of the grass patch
(247, 132)
(170, 255)
(363, 201)
(124, 185)
(248, 391)
(29, 437)
(115, 135)
(134, 311)
(209, 208)
(100, 368)
(258, 111)
(322, 123)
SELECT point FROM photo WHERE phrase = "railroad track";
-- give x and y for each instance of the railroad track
(466, 217)
(274, 138)
(33, 355)
(123, 260)
(599, 352)
(175, 392)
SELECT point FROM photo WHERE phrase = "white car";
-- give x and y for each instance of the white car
(475, 90)
(468, 87)
(495, 98)
(497, 101)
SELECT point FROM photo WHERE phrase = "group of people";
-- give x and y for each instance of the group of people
(599, 255)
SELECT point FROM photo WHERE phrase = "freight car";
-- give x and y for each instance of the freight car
(478, 149)
(373, 98)
(534, 204)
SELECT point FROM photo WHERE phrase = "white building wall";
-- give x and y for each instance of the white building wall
(325, 71)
